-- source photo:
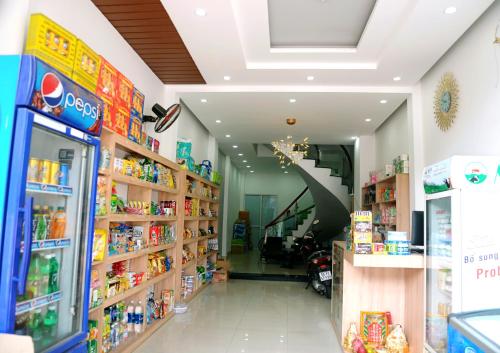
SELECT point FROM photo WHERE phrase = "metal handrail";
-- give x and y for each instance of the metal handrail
(275, 220)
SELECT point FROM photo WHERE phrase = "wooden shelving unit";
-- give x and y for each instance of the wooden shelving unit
(139, 190)
(194, 187)
(374, 198)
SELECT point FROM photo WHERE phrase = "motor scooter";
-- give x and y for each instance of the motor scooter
(319, 272)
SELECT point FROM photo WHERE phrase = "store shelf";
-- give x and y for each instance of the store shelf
(207, 218)
(132, 255)
(188, 264)
(199, 178)
(203, 238)
(128, 218)
(190, 240)
(212, 253)
(386, 261)
(95, 309)
(51, 244)
(161, 247)
(212, 236)
(130, 146)
(49, 189)
(202, 198)
(132, 291)
(97, 263)
(191, 218)
(389, 178)
(155, 218)
(134, 341)
(386, 201)
(197, 291)
(28, 305)
(104, 172)
(125, 179)
(203, 257)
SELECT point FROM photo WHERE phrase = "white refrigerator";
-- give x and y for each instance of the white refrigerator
(462, 245)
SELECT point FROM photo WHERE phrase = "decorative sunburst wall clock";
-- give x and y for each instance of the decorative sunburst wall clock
(446, 101)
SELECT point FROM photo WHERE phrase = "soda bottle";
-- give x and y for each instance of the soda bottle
(53, 285)
(35, 326)
(50, 221)
(59, 224)
(44, 275)
(41, 226)
(34, 277)
(130, 317)
(50, 325)
(34, 224)
(21, 325)
(139, 318)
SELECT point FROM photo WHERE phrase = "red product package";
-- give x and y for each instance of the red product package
(109, 114)
(122, 120)
(107, 81)
(124, 92)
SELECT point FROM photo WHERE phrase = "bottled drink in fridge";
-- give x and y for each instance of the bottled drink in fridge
(53, 285)
(41, 226)
(33, 285)
(35, 326)
(50, 223)
(59, 224)
(36, 214)
(139, 317)
(50, 325)
(44, 274)
(130, 317)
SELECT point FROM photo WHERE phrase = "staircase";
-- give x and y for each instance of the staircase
(298, 224)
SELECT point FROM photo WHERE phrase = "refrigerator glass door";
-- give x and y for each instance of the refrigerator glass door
(488, 325)
(58, 183)
(439, 271)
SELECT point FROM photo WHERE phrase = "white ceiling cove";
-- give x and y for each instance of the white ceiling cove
(317, 23)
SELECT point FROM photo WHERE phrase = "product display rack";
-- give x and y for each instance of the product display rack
(136, 189)
(378, 199)
(193, 186)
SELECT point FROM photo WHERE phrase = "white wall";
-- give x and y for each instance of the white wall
(391, 138)
(473, 62)
(285, 186)
(234, 184)
(364, 162)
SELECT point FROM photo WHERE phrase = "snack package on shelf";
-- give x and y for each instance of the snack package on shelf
(396, 341)
(125, 238)
(159, 263)
(92, 336)
(187, 255)
(187, 285)
(100, 199)
(96, 293)
(52, 43)
(161, 234)
(99, 245)
(121, 278)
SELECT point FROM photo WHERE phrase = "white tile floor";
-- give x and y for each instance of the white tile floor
(249, 317)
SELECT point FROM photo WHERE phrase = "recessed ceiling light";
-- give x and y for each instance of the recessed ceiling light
(292, 100)
(310, 78)
(286, 171)
(396, 78)
(227, 78)
(235, 146)
(244, 161)
(354, 137)
(203, 100)
(218, 121)
(228, 136)
(368, 120)
(289, 137)
(283, 167)
(201, 12)
(251, 171)
(240, 154)
(249, 166)
(383, 101)
(450, 10)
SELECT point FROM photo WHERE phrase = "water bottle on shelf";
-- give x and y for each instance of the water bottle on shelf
(130, 317)
(139, 318)
(50, 325)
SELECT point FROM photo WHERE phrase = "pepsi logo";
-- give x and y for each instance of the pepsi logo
(52, 90)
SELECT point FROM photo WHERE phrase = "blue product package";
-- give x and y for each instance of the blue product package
(54, 94)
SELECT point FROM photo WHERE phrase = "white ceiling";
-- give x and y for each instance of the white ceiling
(317, 23)
(401, 38)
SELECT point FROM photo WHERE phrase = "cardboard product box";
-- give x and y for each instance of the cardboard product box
(107, 81)
(52, 43)
(108, 114)
(137, 108)
(222, 271)
(86, 67)
(124, 92)
(122, 121)
(134, 128)
(463, 172)
(361, 232)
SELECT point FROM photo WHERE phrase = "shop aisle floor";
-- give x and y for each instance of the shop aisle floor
(249, 317)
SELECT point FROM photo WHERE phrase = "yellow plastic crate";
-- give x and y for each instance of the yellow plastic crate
(52, 43)
(86, 67)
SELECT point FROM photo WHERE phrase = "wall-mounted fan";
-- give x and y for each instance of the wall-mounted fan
(164, 117)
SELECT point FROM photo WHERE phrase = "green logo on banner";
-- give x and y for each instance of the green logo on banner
(476, 173)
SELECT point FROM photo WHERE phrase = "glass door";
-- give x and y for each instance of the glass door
(439, 272)
(58, 185)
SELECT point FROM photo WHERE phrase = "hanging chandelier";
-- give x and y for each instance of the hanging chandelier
(289, 152)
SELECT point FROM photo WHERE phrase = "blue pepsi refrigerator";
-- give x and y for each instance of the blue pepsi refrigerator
(474, 332)
(462, 242)
(47, 220)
